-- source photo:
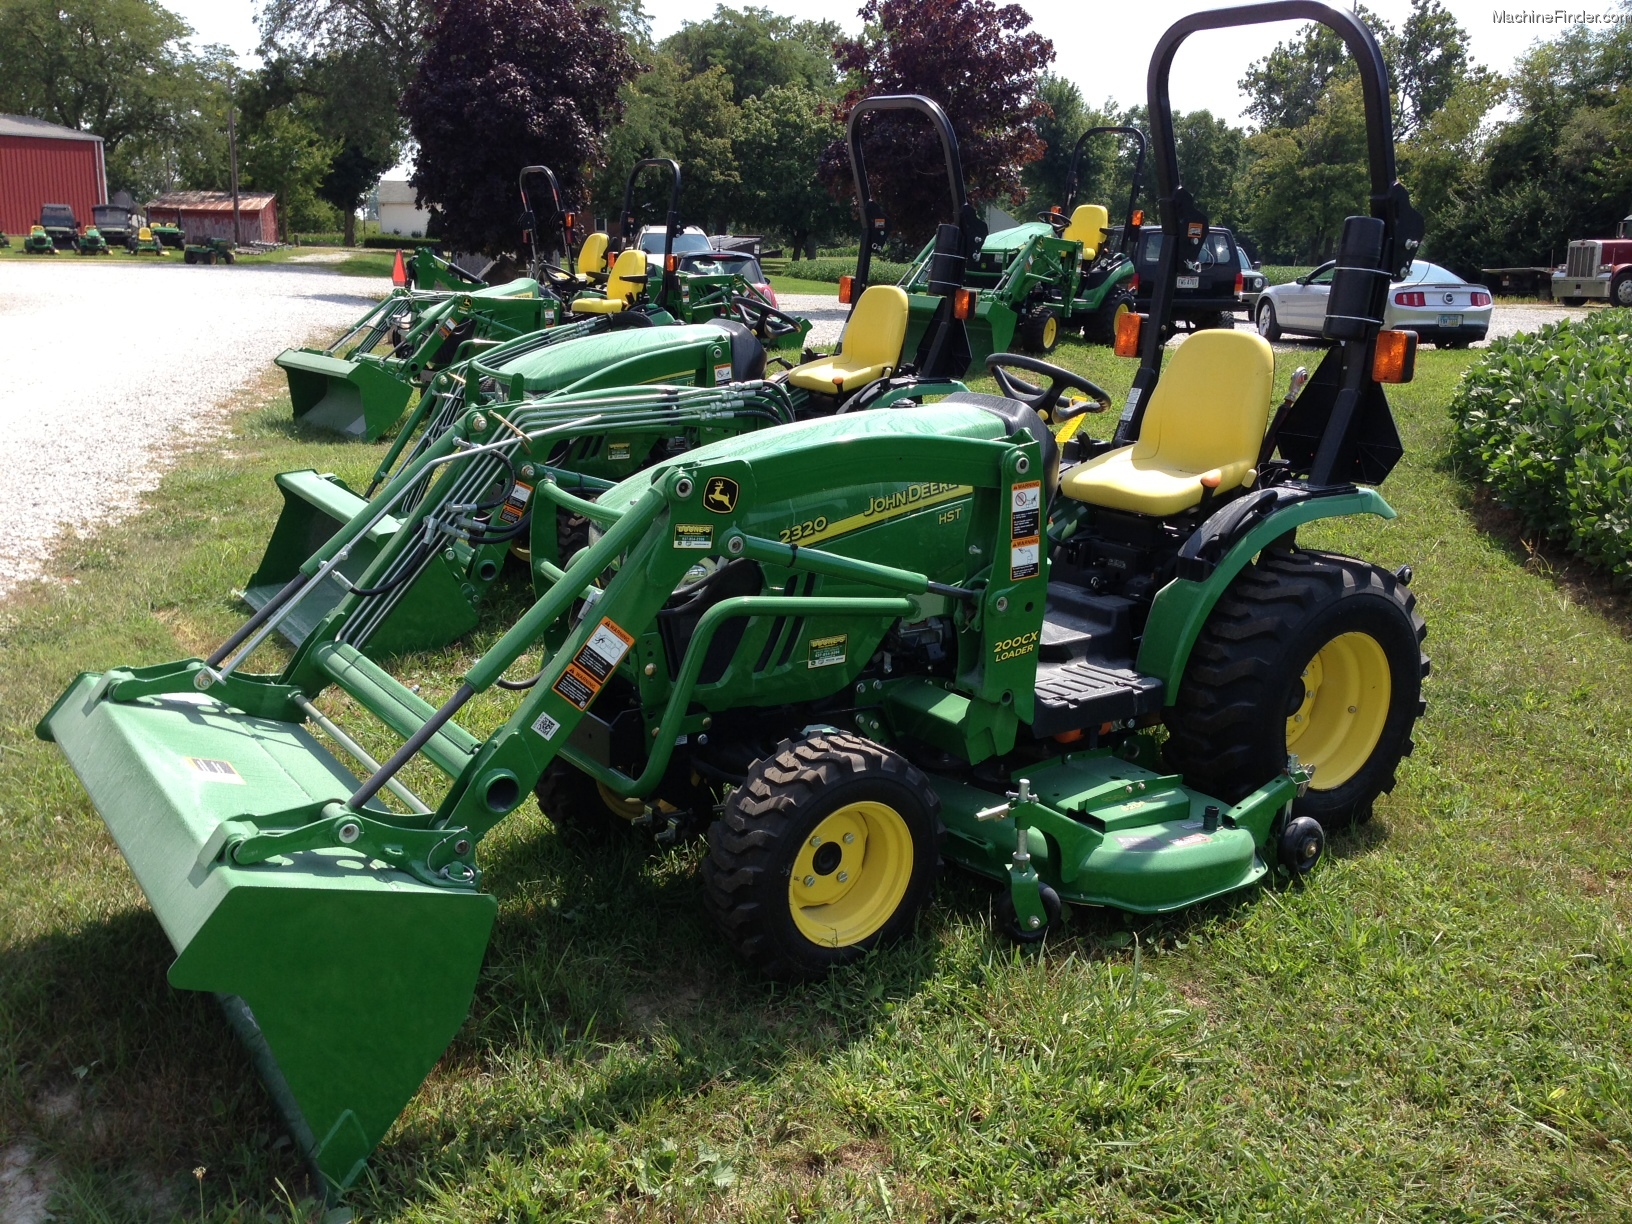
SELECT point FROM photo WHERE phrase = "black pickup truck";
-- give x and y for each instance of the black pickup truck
(59, 222)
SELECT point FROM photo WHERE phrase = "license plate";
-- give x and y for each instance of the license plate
(1189, 282)
(1450, 320)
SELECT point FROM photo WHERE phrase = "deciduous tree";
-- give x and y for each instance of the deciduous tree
(780, 140)
(505, 83)
(983, 63)
(758, 50)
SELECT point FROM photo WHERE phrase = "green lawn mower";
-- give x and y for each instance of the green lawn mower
(209, 251)
(142, 242)
(91, 242)
(741, 647)
(171, 237)
(38, 242)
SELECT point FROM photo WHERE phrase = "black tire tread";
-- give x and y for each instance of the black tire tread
(1223, 696)
(743, 842)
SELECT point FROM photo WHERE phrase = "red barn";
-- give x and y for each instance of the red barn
(208, 214)
(42, 163)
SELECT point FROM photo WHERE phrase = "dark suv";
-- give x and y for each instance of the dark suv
(1209, 292)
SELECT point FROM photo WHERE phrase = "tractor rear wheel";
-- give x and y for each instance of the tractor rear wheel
(1311, 654)
(1102, 325)
(829, 848)
(1039, 330)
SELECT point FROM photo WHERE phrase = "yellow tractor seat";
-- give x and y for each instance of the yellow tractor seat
(870, 348)
(1089, 223)
(626, 282)
(1205, 421)
(142, 235)
(592, 256)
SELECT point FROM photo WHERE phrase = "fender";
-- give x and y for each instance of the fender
(1238, 532)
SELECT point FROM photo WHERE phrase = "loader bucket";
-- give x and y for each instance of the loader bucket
(432, 611)
(346, 978)
(357, 398)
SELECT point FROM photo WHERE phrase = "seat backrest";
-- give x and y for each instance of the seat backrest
(592, 255)
(877, 328)
(1211, 407)
(1088, 225)
(144, 234)
(618, 285)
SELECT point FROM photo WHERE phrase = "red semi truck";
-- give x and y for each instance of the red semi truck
(1597, 269)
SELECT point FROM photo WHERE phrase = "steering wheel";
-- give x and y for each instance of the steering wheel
(556, 276)
(1040, 400)
(763, 319)
(1058, 220)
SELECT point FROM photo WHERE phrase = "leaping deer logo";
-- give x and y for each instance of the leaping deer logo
(720, 494)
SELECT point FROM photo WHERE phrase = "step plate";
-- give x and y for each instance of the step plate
(1076, 695)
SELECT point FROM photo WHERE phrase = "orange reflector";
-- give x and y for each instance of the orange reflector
(1211, 480)
(1127, 334)
(611, 257)
(1139, 217)
(963, 304)
(847, 286)
(569, 219)
(1240, 284)
(672, 263)
(399, 273)
(1395, 358)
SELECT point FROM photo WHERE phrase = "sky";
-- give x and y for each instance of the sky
(1102, 45)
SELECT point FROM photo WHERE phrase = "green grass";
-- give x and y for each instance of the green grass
(1438, 1027)
(1284, 274)
(792, 284)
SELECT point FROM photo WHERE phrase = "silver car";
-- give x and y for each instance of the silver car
(1436, 303)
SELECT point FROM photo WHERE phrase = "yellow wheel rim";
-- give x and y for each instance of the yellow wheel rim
(1122, 308)
(1051, 331)
(1346, 691)
(851, 874)
(623, 809)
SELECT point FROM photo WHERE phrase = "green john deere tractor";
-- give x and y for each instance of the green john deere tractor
(539, 382)
(209, 251)
(849, 647)
(1064, 271)
(143, 241)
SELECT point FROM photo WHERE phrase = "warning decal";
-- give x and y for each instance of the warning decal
(516, 504)
(1024, 556)
(593, 663)
(215, 771)
(722, 373)
(1027, 515)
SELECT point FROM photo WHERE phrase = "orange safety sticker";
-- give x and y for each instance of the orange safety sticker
(594, 662)
(516, 504)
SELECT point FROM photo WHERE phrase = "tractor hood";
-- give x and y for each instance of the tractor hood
(1008, 242)
(640, 355)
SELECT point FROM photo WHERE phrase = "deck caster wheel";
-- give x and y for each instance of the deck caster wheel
(1023, 933)
(1300, 845)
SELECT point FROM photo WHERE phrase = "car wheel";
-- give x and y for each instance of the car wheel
(1268, 328)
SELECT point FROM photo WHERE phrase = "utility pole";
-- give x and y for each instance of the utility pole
(232, 151)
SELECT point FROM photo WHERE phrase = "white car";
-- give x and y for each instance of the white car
(1432, 301)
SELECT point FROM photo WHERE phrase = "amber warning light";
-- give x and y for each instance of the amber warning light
(1395, 360)
(847, 287)
(1127, 334)
(963, 304)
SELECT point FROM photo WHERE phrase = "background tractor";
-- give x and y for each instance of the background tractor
(209, 251)
(1069, 269)
(91, 242)
(38, 242)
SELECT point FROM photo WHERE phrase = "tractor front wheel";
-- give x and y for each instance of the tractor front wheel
(829, 848)
(1040, 329)
(1309, 654)
(578, 805)
(1102, 325)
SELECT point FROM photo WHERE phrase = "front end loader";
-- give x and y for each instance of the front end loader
(359, 386)
(849, 647)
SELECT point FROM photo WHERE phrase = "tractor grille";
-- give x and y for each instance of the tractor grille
(1583, 259)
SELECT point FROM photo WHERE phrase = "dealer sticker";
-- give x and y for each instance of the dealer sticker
(1024, 557)
(828, 651)
(617, 452)
(694, 535)
(214, 770)
(1026, 518)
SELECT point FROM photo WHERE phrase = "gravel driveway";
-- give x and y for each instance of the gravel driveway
(111, 363)
(825, 313)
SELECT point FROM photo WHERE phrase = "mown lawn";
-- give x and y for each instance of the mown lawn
(1439, 1027)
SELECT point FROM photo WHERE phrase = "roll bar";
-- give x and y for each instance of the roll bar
(1185, 227)
(1073, 179)
(874, 224)
(671, 225)
(557, 215)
